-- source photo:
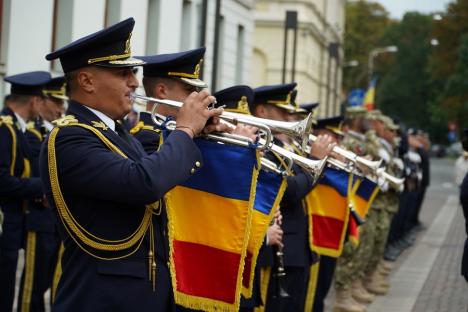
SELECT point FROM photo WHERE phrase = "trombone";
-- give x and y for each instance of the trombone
(298, 130)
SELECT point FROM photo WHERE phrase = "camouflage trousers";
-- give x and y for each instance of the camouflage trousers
(350, 264)
(388, 204)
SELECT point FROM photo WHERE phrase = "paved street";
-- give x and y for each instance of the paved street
(427, 277)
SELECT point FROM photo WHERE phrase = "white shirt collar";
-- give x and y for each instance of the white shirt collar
(49, 126)
(387, 144)
(21, 122)
(107, 120)
(357, 135)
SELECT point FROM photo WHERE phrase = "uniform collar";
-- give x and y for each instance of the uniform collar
(106, 119)
(386, 144)
(357, 135)
(49, 126)
(21, 123)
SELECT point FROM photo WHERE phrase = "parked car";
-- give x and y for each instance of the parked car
(438, 150)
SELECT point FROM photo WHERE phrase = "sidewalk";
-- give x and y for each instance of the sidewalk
(427, 276)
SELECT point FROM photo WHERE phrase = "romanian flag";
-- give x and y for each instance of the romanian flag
(209, 224)
(270, 190)
(369, 97)
(328, 211)
(361, 199)
(354, 217)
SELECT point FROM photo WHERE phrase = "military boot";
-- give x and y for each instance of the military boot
(360, 293)
(344, 302)
(385, 267)
(376, 284)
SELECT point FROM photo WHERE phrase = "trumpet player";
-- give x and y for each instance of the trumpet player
(236, 99)
(274, 102)
(332, 127)
(386, 203)
(110, 185)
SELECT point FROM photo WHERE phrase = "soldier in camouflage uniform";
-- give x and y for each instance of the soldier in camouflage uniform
(385, 204)
(348, 288)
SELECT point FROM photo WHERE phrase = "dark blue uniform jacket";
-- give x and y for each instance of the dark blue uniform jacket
(107, 194)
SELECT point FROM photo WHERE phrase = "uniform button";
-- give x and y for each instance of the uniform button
(192, 170)
(197, 164)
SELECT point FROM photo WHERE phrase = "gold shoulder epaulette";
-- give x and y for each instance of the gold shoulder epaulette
(8, 120)
(65, 121)
(30, 125)
(137, 127)
(141, 126)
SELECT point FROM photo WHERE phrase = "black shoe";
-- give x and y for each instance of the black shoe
(419, 227)
(392, 252)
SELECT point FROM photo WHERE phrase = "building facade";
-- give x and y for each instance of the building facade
(31, 29)
(317, 65)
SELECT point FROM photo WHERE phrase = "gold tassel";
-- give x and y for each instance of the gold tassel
(150, 261)
(154, 275)
(152, 258)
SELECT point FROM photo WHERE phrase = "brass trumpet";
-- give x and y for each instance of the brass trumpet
(268, 165)
(358, 160)
(396, 183)
(348, 167)
(298, 130)
(313, 166)
(244, 141)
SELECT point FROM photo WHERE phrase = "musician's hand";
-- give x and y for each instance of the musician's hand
(339, 157)
(278, 217)
(194, 114)
(414, 142)
(322, 147)
(246, 131)
(216, 126)
(275, 235)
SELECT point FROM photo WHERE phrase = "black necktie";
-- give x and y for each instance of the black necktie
(122, 132)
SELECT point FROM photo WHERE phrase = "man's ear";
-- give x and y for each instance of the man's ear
(85, 80)
(161, 91)
(260, 111)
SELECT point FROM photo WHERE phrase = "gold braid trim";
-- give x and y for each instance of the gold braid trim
(57, 274)
(28, 280)
(9, 126)
(265, 274)
(77, 232)
(141, 126)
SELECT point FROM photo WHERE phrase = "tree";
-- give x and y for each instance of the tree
(365, 24)
(403, 86)
(447, 65)
(453, 101)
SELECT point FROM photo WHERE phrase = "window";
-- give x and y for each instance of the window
(112, 12)
(219, 65)
(186, 27)
(1, 20)
(152, 27)
(61, 28)
(240, 54)
(3, 32)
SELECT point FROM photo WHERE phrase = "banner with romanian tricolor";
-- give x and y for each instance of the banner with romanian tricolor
(270, 190)
(328, 212)
(209, 224)
(361, 199)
